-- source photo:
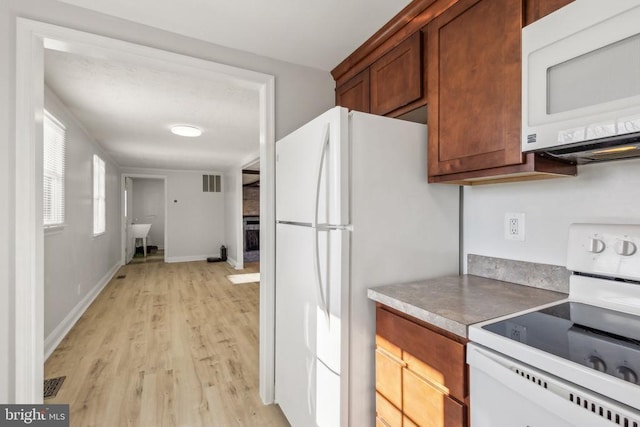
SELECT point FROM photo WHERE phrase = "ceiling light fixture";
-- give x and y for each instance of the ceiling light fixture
(185, 130)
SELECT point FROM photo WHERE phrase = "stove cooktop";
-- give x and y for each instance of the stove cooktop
(602, 339)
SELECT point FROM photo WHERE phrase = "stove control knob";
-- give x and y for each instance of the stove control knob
(596, 363)
(595, 245)
(625, 248)
(626, 374)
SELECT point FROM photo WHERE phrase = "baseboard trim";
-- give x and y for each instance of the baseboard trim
(188, 258)
(57, 335)
(232, 262)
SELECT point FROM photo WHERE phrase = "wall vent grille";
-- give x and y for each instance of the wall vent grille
(211, 183)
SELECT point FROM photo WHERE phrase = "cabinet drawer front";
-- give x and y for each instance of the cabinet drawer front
(426, 405)
(406, 422)
(389, 377)
(445, 358)
(389, 347)
(387, 413)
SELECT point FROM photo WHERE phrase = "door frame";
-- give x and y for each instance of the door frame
(32, 39)
(123, 223)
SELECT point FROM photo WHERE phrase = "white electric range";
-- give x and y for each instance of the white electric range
(572, 363)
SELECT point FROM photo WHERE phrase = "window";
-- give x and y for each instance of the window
(99, 198)
(53, 171)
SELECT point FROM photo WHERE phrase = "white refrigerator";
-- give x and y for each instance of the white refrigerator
(353, 210)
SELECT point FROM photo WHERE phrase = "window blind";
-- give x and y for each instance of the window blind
(99, 195)
(54, 134)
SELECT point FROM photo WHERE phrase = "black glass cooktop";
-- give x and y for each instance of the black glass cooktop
(602, 339)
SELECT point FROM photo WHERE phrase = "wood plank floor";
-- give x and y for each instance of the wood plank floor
(169, 345)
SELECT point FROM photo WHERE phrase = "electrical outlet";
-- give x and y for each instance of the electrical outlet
(514, 226)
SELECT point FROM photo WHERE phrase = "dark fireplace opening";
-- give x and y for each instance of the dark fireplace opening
(252, 240)
(251, 230)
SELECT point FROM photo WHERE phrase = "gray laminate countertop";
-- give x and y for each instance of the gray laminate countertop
(453, 303)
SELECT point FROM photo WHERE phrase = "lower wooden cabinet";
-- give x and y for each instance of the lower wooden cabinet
(388, 382)
(428, 404)
(421, 375)
(387, 414)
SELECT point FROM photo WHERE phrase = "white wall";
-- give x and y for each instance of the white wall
(148, 206)
(605, 192)
(301, 93)
(7, 212)
(195, 219)
(232, 215)
(78, 264)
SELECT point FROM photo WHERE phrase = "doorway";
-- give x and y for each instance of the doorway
(32, 39)
(251, 212)
(144, 203)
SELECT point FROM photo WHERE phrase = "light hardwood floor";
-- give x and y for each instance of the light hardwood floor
(169, 345)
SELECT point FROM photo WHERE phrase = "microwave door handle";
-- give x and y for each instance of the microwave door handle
(316, 229)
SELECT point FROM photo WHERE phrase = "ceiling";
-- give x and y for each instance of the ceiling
(318, 34)
(129, 108)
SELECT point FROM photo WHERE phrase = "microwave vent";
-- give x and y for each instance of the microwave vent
(532, 138)
(600, 150)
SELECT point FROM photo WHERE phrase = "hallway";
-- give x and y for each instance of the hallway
(167, 345)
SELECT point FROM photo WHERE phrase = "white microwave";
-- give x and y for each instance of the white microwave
(581, 82)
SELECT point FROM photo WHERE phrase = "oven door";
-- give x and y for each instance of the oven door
(505, 393)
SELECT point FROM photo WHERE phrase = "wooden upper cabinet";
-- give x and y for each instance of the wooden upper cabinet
(396, 78)
(537, 9)
(474, 86)
(455, 65)
(354, 94)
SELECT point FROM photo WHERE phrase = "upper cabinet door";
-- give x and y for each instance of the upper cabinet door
(396, 78)
(537, 9)
(354, 94)
(474, 82)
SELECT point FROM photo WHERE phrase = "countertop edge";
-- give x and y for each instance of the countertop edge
(449, 325)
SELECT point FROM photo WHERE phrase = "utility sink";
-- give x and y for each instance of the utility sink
(140, 231)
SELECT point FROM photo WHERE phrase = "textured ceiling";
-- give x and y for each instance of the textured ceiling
(318, 34)
(129, 109)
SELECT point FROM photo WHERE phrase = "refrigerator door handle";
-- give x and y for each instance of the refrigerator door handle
(316, 251)
(323, 151)
(321, 295)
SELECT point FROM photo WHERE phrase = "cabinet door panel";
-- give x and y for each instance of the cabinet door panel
(389, 377)
(354, 94)
(474, 86)
(396, 78)
(426, 405)
(386, 413)
(537, 9)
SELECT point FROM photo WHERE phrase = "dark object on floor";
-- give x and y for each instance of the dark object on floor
(150, 250)
(122, 276)
(51, 386)
(223, 255)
